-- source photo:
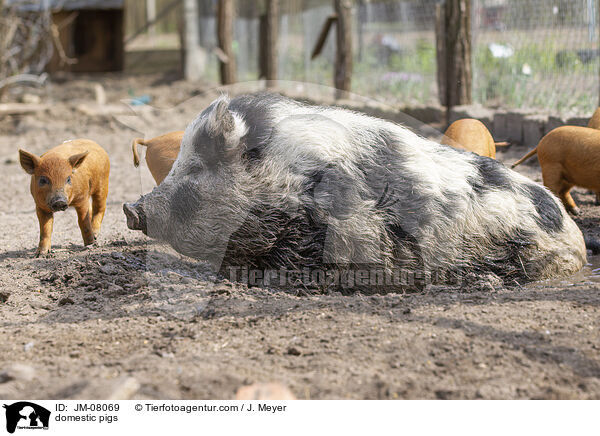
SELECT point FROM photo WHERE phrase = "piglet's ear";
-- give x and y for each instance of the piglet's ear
(77, 159)
(28, 161)
(220, 119)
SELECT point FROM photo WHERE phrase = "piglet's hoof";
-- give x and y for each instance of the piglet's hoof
(43, 254)
(91, 245)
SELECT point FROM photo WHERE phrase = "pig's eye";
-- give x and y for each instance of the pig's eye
(43, 181)
(69, 180)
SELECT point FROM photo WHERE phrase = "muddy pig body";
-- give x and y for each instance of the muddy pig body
(265, 182)
(161, 152)
(471, 135)
(569, 156)
(69, 175)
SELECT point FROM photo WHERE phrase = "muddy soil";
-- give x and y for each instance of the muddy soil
(130, 315)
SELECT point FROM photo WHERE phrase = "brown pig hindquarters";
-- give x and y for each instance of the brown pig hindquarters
(569, 156)
(471, 135)
(69, 174)
(161, 152)
(594, 123)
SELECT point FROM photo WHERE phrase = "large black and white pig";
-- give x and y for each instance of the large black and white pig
(263, 181)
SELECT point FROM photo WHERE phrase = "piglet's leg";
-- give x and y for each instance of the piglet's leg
(98, 209)
(555, 181)
(85, 222)
(568, 201)
(562, 191)
(46, 220)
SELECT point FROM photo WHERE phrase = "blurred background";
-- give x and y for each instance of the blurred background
(523, 53)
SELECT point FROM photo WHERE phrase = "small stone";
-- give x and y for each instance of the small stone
(50, 278)
(65, 300)
(115, 290)
(28, 346)
(443, 394)
(108, 269)
(293, 351)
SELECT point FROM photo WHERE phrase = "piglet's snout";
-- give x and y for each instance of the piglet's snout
(58, 203)
(136, 217)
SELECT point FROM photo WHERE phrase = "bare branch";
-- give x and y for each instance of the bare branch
(26, 45)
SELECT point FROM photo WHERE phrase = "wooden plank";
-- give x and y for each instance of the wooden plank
(151, 23)
(21, 108)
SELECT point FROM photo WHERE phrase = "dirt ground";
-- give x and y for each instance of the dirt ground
(130, 315)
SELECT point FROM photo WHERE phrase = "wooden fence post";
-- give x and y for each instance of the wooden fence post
(343, 56)
(194, 56)
(269, 27)
(151, 15)
(453, 46)
(225, 41)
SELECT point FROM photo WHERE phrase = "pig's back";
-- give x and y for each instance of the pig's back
(74, 146)
(470, 134)
(165, 146)
(95, 166)
(577, 150)
(571, 143)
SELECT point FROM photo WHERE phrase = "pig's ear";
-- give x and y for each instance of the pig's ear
(77, 159)
(220, 119)
(28, 161)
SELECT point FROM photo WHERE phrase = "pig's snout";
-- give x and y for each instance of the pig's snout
(58, 203)
(136, 217)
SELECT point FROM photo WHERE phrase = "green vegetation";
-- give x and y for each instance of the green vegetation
(407, 75)
(543, 71)
(537, 75)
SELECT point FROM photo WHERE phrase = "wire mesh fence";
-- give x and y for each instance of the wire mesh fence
(526, 53)
(536, 54)
(539, 54)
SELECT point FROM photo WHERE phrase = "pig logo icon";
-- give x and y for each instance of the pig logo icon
(26, 415)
